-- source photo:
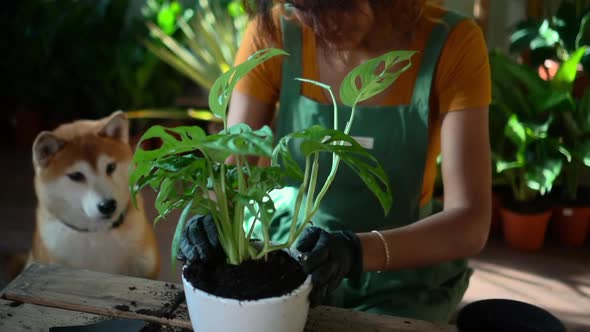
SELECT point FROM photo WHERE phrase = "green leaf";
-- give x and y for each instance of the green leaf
(547, 36)
(174, 141)
(504, 165)
(282, 157)
(319, 139)
(222, 88)
(178, 234)
(239, 140)
(136, 172)
(523, 35)
(538, 130)
(166, 196)
(515, 131)
(542, 174)
(553, 100)
(235, 9)
(373, 76)
(566, 75)
(508, 73)
(167, 17)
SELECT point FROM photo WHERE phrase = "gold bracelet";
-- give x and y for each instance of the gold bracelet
(386, 247)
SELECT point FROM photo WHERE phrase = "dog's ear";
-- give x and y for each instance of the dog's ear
(45, 146)
(116, 126)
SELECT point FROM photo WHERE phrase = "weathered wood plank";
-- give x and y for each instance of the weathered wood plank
(100, 293)
(331, 319)
(127, 297)
(19, 317)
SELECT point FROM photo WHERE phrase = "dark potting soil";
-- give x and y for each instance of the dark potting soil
(540, 205)
(167, 309)
(280, 274)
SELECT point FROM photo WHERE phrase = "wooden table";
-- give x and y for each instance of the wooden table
(45, 296)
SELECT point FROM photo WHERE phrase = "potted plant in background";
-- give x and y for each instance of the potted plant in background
(200, 42)
(572, 212)
(549, 42)
(529, 159)
(79, 59)
(189, 164)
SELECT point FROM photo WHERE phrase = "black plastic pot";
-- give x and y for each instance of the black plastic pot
(501, 315)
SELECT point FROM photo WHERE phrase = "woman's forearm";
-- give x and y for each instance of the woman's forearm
(451, 234)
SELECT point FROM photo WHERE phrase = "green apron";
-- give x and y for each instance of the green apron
(399, 136)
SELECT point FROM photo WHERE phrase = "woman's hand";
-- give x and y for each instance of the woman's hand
(199, 242)
(328, 257)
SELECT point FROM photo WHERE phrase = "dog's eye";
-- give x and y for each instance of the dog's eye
(111, 168)
(77, 177)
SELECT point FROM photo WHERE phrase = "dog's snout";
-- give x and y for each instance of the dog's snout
(107, 207)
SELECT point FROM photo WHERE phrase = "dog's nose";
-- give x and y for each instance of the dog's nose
(107, 207)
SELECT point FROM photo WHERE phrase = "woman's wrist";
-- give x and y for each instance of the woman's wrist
(375, 252)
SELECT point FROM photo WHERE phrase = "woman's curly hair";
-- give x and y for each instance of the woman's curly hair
(403, 15)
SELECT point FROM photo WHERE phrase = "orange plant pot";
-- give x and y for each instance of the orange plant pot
(571, 224)
(525, 231)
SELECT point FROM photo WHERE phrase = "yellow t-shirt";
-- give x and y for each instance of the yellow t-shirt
(462, 78)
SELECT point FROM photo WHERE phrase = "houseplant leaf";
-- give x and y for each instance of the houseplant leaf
(374, 76)
(224, 85)
(566, 75)
(515, 131)
(319, 139)
(522, 36)
(239, 140)
(542, 174)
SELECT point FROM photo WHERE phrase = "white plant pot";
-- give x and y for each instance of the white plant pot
(210, 313)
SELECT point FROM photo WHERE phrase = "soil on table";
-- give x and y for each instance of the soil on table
(279, 275)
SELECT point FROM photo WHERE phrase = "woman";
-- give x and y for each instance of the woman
(410, 262)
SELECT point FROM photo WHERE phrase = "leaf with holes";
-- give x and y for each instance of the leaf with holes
(374, 76)
(222, 88)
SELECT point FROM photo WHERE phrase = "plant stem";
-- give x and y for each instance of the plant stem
(332, 175)
(311, 189)
(224, 215)
(220, 222)
(302, 189)
(266, 250)
(239, 211)
(251, 230)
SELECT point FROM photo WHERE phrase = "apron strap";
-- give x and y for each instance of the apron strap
(292, 44)
(425, 78)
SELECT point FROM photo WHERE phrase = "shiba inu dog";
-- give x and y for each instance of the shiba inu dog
(85, 218)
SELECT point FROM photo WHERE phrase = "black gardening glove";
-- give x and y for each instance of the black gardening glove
(199, 242)
(329, 257)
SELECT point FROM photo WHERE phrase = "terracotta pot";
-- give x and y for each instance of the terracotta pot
(525, 231)
(571, 224)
